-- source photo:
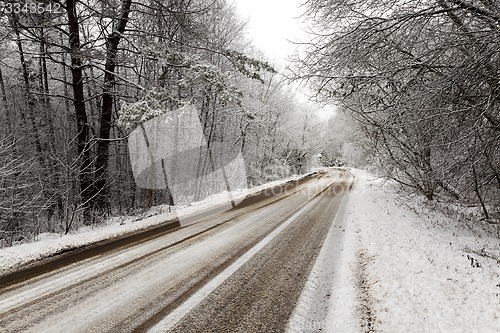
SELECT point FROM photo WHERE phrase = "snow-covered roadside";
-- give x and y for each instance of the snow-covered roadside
(14, 257)
(385, 268)
(328, 302)
(419, 271)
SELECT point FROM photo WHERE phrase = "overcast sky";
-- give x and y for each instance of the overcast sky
(272, 24)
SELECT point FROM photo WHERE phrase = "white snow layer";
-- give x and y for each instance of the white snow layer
(395, 266)
(420, 270)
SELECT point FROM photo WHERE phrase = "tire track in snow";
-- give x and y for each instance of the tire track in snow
(364, 298)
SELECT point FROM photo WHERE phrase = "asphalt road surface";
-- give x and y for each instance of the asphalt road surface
(240, 270)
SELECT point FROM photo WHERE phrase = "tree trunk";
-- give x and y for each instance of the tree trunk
(478, 193)
(83, 128)
(101, 199)
(29, 99)
(5, 103)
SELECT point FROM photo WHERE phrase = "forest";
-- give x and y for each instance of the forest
(422, 80)
(77, 76)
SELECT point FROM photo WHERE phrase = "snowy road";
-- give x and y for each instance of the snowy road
(237, 271)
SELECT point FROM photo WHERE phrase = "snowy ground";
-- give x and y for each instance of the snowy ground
(50, 244)
(388, 265)
(422, 272)
(400, 267)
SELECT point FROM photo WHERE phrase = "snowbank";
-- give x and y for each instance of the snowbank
(419, 273)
